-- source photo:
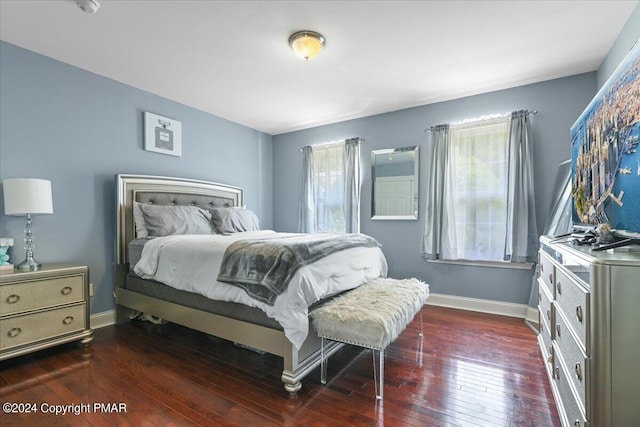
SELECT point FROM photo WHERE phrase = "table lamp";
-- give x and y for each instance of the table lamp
(27, 196)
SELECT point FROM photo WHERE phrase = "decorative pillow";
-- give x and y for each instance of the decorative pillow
(233, 220)
(169, 220)
(138, 220)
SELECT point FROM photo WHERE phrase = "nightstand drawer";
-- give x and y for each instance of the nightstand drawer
(36, 294)
(573, 300)
(30, 328)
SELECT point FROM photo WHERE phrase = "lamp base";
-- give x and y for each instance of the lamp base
(29, 264)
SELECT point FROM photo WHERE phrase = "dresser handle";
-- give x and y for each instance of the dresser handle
(550, 278)
(13, 298)
(549, 315)
(14, 332)
(541, 327)
(559, 287)
(579, 371)
(558, 373)
(577, 423)
(66, 290)
(558, 330)
(542, 268)
(67, 320)
(579, 313)
(539, 297)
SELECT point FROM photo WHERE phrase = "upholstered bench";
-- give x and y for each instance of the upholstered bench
(371, 316)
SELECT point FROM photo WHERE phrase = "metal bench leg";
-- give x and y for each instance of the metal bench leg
(323, 363)
(378, 380)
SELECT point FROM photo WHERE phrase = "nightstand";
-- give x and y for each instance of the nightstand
(43, 308)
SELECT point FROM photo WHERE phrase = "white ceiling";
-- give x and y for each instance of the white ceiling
(231, 58)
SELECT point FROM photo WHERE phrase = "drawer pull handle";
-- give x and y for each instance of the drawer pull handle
(579, 371)
(558, 373)
(541, 327)
(549, 315)
(542, 268)
(550, 278)
(14, 332)
(576, 423)
(559, 287)
(579, 313)
(13, 298)
(67, 320)
(539, 297)
(558, 330)
(66, 290)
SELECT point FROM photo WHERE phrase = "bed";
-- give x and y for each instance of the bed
(236, 320)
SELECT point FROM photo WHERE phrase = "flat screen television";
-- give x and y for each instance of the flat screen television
(605, 157)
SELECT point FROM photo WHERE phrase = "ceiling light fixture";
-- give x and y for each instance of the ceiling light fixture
(89, 6)
(306, 44)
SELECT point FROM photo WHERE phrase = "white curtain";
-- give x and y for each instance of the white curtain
(330, 200)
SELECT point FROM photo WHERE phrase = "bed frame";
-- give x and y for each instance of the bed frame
(178, 191)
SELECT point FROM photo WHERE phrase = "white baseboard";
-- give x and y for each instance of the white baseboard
(522, 311)
(100, 320)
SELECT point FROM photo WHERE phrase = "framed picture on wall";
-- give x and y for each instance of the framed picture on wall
(162, 135)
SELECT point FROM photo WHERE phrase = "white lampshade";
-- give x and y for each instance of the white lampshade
(24, 196)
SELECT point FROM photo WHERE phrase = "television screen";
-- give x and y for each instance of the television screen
(605, 163)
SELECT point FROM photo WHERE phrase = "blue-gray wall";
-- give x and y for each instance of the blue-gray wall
(559, 102)
(78, 129)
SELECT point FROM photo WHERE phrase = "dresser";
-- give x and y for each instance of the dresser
(589, 308)
(43, 308)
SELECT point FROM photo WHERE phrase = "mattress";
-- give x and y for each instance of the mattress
(229, 309)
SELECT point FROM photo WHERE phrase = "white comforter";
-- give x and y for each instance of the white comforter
(192, 262)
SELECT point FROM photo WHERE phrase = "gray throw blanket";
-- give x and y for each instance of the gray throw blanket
(264, 267)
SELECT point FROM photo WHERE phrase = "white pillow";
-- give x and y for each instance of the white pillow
(169, 220)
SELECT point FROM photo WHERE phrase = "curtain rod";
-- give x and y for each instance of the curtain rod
(325, 144)
(493, 116)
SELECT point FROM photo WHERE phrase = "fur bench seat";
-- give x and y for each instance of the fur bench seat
(371, 316)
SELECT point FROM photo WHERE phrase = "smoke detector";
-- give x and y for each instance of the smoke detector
(89, 6)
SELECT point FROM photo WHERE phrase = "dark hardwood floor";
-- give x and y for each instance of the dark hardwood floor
(470, 369)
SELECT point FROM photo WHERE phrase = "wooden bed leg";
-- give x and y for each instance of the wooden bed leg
(293, 388)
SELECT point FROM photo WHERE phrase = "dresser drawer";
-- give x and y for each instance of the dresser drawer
(30, 328)
(36, 294)
(573, 300)
(576, 362)
(568, 407)
(547, 273)
(545, 309)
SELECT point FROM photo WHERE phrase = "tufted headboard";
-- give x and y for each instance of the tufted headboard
(164, 191)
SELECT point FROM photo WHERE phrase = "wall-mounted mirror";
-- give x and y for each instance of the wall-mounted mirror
(394, 175)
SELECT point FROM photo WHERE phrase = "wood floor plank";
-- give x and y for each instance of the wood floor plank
(468, 369)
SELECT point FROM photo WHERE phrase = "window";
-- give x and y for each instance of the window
(330, 200)
(480, 198)
(328, 186)
(476, 191)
